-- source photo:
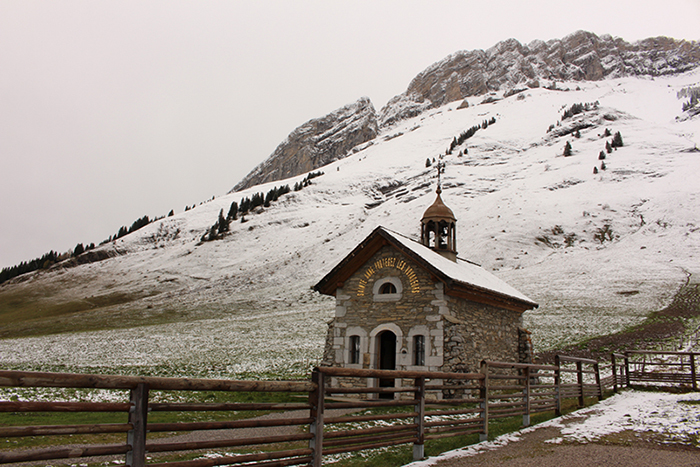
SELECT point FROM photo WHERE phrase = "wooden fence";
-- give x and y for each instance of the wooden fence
(341, 411)
(643, 367)
(137, 426)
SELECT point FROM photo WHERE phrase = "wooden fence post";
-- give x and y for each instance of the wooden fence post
(484, 396)
(316, 399)
(138, 417)
(526, 415)
(557, 383)
(627, 369)
(693, 373)
(614, 372)
(596, 368)
(419, 446)
(579, 379)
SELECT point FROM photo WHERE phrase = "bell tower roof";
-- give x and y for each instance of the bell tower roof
(438, 210)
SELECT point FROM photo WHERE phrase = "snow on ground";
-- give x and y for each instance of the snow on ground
(524, 211)
(673, 417)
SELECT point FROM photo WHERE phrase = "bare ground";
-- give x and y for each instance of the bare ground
(622, 449)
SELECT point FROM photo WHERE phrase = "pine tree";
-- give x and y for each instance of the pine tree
(595, 170)
(567, 149)
(171, 213)
(79, 248)
(427, 162)
(222, 224)
(608, 147)
(601, 156)
(617, 140)
(233, 211)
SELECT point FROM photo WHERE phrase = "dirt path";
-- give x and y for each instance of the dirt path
(532, 450)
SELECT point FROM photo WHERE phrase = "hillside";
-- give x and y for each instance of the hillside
(597, 251)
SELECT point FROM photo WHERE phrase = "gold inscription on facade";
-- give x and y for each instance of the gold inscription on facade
(389, 263)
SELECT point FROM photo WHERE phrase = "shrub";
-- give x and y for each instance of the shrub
(603, 234)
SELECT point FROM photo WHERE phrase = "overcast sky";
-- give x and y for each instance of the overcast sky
(111, 110)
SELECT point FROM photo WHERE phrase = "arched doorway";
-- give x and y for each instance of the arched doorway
(386, 360)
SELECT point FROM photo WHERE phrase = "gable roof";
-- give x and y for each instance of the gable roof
(462, 278)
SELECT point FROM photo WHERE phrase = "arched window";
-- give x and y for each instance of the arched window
(387, 289)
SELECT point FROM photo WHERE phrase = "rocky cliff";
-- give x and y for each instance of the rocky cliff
(316, 143)
(582, 56)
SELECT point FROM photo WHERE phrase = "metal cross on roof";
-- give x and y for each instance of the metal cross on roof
(440, 170)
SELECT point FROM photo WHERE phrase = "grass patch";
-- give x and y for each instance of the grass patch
(29, 311)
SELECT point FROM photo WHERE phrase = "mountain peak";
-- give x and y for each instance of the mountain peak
(316, 143)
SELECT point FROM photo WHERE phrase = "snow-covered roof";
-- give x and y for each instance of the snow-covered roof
(462, 271)
(463, 276)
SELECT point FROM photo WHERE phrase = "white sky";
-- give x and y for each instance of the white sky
(112, 110)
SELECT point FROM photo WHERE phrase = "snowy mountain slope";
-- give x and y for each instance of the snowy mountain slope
(243, 304)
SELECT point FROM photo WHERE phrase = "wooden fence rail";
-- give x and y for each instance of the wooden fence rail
(345, 410)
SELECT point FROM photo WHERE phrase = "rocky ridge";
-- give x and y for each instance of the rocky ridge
(509, 65)
(316, 143)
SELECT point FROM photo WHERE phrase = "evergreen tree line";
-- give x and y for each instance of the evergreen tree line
(136, 225)
(465, 135)
(576, 109)
(222, 224)
(307, 180)
(51, 258)
(44, 262)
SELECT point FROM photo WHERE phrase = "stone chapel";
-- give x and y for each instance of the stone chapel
(407, 305)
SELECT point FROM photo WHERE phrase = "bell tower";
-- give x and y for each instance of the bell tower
(438, 231)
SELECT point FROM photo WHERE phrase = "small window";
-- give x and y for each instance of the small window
(354, 349)
(387, 288)
(419, 350)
